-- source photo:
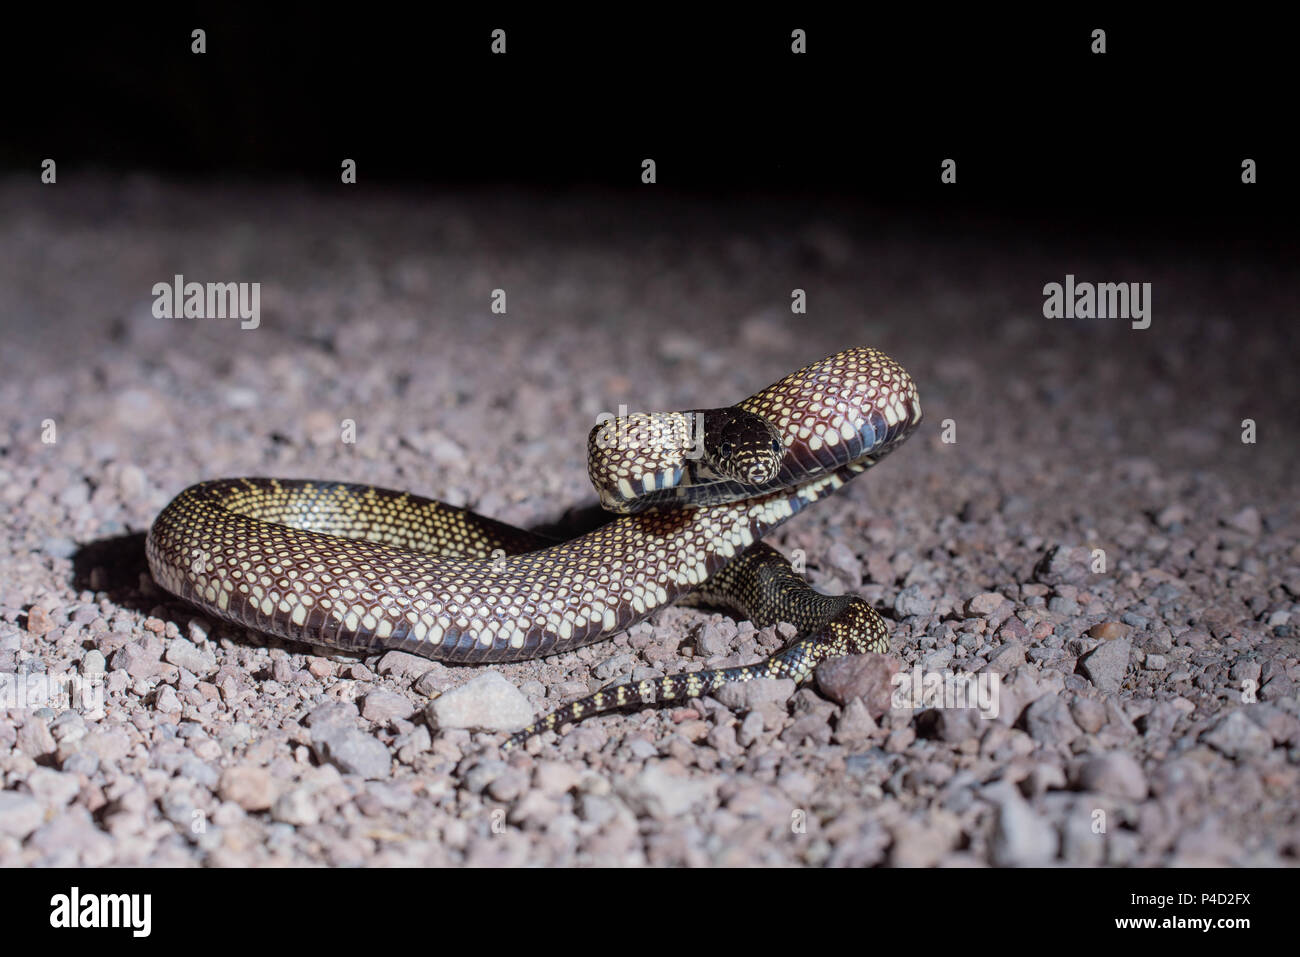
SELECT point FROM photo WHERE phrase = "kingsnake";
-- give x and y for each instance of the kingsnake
(364, 568)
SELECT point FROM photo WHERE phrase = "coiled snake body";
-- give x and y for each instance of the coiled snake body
(365, 569)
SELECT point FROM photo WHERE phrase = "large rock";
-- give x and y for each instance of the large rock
(487, 703)
(1106, 664)
(869, 677)
(352, 751)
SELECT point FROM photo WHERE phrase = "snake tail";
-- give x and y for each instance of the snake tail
(762, 586)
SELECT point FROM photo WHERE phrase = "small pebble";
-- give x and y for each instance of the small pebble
(755, 695)
(664, 790)
(381, 707)
(1115, 773)
(1238, 737)
(39, 621)
(252, 788)
(20, 814)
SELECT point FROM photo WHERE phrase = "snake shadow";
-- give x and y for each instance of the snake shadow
(114, 566)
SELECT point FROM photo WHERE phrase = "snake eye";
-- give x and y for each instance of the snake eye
(776, 446)
(725, 449)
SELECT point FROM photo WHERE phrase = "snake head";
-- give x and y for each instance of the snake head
(742, 446)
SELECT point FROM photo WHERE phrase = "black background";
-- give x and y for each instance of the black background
(1150, 134)
(404, 908)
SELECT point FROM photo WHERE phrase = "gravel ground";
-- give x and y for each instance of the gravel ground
(1147, 708)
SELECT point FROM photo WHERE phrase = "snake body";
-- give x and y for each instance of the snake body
(363, 568)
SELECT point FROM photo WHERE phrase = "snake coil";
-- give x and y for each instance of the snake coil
(363, 568)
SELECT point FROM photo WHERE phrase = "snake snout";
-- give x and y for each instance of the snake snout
(743, 447)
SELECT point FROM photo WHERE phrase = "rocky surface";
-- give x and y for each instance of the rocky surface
(1096, 540)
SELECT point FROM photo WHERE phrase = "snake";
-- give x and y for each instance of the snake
(367, 569)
